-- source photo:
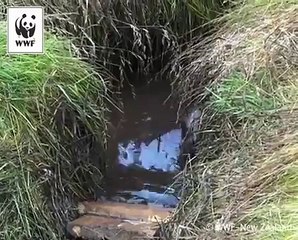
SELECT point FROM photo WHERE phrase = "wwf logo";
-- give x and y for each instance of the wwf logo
(25, 26)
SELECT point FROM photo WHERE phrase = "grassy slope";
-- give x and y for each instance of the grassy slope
(268, 92)
(46, 102)
(248, 189)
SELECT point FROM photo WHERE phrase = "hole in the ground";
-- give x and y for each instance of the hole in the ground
(145, 152)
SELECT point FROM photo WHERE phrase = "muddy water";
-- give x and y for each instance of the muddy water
(144, 148)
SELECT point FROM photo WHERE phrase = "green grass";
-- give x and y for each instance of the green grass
(28, 82)
(52, 108)
(247, 98)
(24, 209)
(239, 96)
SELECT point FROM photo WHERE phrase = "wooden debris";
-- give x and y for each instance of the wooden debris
(117, 221)
(125, 211)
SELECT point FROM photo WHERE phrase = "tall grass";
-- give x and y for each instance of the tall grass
(24, 208)
(52, 137)
(128, 36)
(242, 183)
(245, 74)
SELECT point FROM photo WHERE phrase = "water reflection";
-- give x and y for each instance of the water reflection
(158, 156)
(144, 147)
(161, 154)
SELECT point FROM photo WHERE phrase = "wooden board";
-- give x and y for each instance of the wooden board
(138, 212)
(117, 221)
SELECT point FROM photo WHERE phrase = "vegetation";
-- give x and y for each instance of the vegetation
(53, 111)
(242, 184)
(47, 103)
(128, 36)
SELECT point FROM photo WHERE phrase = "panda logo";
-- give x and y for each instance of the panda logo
(25, 26)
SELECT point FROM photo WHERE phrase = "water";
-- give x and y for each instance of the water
(145, 148)
(161, 154)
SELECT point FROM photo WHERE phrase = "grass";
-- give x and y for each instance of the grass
(243, 182)
(270, 191)
(239, 96)
(24, 209)
(52, 110)
(128, 36)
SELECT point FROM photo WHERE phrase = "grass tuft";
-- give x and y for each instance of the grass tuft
(53, 130)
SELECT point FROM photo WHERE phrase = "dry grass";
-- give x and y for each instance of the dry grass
(263, 54)
(242, 184)
(127, 36)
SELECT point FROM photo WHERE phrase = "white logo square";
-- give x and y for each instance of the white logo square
(25, 30)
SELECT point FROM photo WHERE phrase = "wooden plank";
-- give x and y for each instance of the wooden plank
(97, 227)
(137, 212)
